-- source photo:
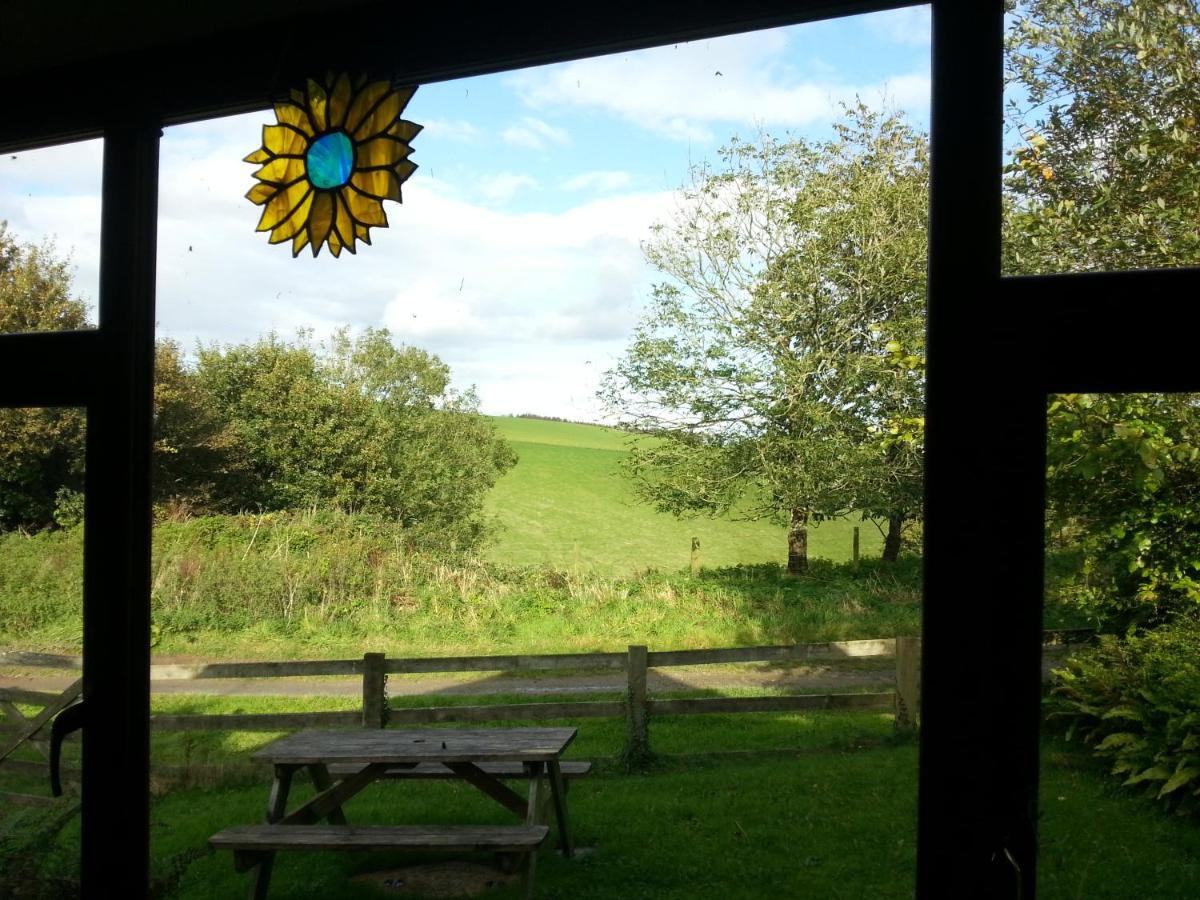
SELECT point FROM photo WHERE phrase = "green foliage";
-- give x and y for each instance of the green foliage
(41, 450)
(325, 583)
(1109, 177)
(1136, 702)
(767, 362)
(358, 424)
(1123, 492)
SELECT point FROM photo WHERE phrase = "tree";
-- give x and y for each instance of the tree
(360, 424)
(1123, 493)
(1108, 99)
(780, 365)
(41, 450)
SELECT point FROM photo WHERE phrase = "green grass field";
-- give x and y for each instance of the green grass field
(566, 504)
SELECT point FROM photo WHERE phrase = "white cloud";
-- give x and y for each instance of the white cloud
(684, 90)
(602, 181)
(534, 134)
(504, 186)
(453, 130)
(910, 25)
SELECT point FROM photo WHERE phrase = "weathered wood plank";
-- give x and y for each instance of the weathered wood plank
(493, 787)
(283, 669)
(495, 838)
(908, 674)
(28, 799)
(65, 699)
(883, 700)
(506, 663)
(826, 651)
(374, 699)
(40, 769)
(31, 698)
(570, 769)
(501, 711)
(417, 746)
(256, 721)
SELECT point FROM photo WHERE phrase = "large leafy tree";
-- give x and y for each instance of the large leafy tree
(359, 424)
(1106, 94)
(41, 450)
(780, 364)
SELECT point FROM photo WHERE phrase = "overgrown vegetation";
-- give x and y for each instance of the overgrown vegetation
(274, 583)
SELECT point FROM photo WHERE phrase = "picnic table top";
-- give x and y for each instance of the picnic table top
(418, 746)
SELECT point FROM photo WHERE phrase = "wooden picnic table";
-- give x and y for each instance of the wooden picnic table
(359, 758)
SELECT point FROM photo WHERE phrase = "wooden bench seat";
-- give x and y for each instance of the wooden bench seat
(570, 769)
(254, 846)
(491, 838)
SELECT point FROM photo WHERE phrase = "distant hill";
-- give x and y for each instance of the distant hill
(566, 504)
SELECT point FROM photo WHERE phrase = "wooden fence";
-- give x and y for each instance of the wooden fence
(375, 712)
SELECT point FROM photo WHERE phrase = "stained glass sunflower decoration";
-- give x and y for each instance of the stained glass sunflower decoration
(337, 151)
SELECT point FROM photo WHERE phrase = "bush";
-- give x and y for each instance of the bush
(1136, 701)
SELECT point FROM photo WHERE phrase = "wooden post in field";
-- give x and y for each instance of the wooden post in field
(695, 556)
(908, 671)
(374, 701)
(637, 743)
(854, 556)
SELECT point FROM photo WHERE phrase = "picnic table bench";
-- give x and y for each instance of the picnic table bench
(342, 763)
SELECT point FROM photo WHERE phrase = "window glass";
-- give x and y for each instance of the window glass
(1102, 170)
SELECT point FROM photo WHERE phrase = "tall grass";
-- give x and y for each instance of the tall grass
(334, 580)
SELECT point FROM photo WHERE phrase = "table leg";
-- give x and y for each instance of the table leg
(559, 792)
(322, 782)
(260, 880)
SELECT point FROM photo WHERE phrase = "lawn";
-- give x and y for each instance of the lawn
(566, 504)
(812, 805)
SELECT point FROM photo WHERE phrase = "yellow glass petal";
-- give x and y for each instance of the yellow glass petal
(403, 169)
(290, 114)
(382, 151)
(280, 206)
(405, 130)
(379, 183)
(342, 223)
(339, 101)
(362, 232)
(298, 242)
(283, 140)
(335, 246)
(366, 209)
(261, 193)
(283, 170)
(364, 101)
(320, 220)
(317, 101)
(258, 156)
(294, 223)
(384, 115)
(297, 96)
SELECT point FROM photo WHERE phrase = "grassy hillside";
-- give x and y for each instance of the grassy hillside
(566, 504)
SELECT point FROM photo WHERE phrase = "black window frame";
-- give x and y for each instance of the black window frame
(986, 423)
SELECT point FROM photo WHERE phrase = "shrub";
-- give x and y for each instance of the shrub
(1136, 701)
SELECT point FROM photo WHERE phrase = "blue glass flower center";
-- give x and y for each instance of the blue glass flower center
(330, 159)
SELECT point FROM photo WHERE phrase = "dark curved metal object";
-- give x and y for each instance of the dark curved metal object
(70, 719)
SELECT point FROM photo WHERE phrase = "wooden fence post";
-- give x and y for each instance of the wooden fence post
(374, 700)
(637, 743)
(695, 556)
(854, 557)
(908, 672)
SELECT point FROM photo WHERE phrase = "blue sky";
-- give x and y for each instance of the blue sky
(516, 254)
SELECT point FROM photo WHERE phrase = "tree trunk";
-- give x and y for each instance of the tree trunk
(891, 543)
(798, 543)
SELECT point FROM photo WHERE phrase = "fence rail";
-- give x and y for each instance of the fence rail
(636, 708)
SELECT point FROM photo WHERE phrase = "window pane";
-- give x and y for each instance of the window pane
(41, 633)
(50, 238)
(1102, 150)
(1122, 683)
